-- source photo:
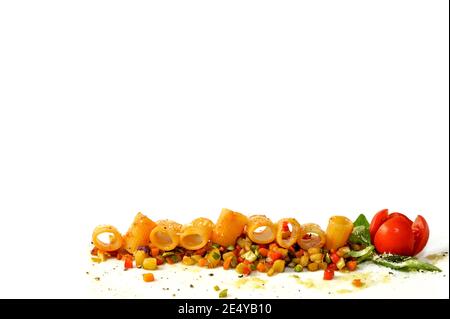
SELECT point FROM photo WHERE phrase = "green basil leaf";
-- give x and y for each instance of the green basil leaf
(360, 233)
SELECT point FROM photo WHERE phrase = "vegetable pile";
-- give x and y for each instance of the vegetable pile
(390, 240)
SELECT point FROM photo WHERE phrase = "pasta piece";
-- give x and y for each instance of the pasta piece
(338, 231)
(260, 229)
(196, 234)
(138, 233)
(115, 238)
(287, 238)
(311, 236)
(166, 235)
(228, 228)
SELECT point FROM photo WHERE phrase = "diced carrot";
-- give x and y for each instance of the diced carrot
(170, 261)
(227, 263)
(263, 252)
(352, 265)
(246, 270)
(155, 252)
(272, 246)
(202, 262)
(247, 262)
(128, 263)
(357, 283)
(261, 267)
(274, 255)
(148, 277)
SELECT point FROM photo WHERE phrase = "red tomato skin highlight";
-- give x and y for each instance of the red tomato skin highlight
(395, 236)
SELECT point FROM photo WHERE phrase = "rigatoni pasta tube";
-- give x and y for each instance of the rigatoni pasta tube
(288, 238)
(338, 231)
(260, 229)
(115, 239)
(196, 234)
(228, 228)
(166, 234)
(311, 236)
(138, 233)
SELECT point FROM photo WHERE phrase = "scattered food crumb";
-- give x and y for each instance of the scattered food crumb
(191, 285)
(97, 278)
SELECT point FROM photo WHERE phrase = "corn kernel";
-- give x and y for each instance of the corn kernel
(304, 260)
(313, 266)
(313, 251)
(150, 263)
(139, 257)
(188, 261)
(279, 265)
(316, 257)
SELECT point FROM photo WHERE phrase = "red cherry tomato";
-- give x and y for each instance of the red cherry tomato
(421, 234)
(395, 236)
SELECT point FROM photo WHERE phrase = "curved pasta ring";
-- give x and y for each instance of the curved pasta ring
(267, 235)
(116, 239)
(317, 241)
(196, 234)
(292, 239)
(165, 235)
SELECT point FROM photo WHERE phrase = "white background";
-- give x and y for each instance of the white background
(180, 108)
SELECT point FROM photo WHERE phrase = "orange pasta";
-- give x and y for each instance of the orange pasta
(228, 228)
(196, 234)
(338, 231)
(260, 229)
(285, 237)
(138, 233)
(115, 239)
(166, 235)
